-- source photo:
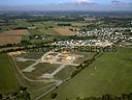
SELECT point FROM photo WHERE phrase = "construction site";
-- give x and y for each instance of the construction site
(47, 66)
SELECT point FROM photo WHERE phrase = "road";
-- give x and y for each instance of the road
(31, 67)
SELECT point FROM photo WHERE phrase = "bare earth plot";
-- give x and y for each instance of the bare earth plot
(63, 31)
(63, 58)
(12, 37)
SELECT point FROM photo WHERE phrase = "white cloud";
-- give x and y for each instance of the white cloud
(80, 1)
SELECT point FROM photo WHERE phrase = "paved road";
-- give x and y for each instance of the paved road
(31, 67)
(21, 59)
(58, 70)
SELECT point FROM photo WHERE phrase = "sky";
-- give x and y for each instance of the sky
(46, 2)
(87, 5)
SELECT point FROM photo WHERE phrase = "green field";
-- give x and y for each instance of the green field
(109, 74)
(8, 81)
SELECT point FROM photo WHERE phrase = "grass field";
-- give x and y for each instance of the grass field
(111, 73)
(8, 81)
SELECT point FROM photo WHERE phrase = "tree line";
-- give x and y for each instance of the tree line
(21, 94)
(106, 97)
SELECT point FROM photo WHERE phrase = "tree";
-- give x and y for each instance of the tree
(54, 95)
(124, 97)
(78, 98)
(67, 99)
(1, 96)
(130, 96)
(106, 97)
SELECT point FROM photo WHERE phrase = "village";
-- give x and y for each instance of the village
(103, 38)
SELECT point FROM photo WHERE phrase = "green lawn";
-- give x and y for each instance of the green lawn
(8, 82)
(111, 73)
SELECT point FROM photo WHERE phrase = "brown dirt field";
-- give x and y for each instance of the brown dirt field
(11, 37)
(63, 31)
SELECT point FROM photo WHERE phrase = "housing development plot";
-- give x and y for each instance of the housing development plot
(49, 66)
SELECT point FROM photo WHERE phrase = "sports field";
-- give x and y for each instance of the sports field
(109, 74)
